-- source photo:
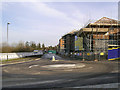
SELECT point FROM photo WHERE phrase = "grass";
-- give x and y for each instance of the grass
(14, 59)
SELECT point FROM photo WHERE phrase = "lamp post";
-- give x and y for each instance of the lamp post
(7, 38)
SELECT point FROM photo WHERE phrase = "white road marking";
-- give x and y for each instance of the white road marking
(18, 79)
(62, 65)
(33, 66)
(35, 83)
(116, 71)
(110, 85)
(65, 66)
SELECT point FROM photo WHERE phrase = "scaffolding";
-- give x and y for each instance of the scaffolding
(96, 43)
(95, 39)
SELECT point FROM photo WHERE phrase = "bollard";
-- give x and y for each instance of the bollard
(53, 58)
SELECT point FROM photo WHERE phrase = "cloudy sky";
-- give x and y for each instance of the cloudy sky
(46, 22)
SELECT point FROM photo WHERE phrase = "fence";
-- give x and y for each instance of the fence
(114, 53)
(3, 56)
(90, 56)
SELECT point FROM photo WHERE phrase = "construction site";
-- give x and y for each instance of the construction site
(99, 40)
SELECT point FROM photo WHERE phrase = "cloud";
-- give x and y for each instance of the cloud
(40, 22)
(44, 9)
(27, 27)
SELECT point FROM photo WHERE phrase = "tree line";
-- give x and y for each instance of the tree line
(25, 47)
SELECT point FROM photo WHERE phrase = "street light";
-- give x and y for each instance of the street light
(7, 38)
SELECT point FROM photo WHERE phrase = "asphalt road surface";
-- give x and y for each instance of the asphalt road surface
(44, 73)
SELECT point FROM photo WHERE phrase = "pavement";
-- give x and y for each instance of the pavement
(43, 73)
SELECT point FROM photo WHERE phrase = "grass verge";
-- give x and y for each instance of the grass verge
(3, 61)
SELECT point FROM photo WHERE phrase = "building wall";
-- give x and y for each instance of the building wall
(61, 46)
(78, 43)
(68, 42)
(100, 43)
(61, 43)
(72, 43)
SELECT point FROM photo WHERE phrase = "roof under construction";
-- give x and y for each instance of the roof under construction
(105, 21)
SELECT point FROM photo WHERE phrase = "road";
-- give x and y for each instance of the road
(44, 73)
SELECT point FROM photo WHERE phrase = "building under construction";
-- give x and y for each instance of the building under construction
(95, 37)
(67, 43)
